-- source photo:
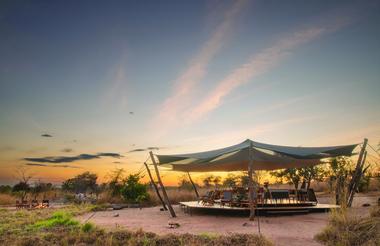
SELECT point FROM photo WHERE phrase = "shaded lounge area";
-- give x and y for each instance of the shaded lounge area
(250, 156)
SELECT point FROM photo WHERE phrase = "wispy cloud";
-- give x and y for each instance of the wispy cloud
(146, 149)
(45, 165)
(65, 159)
(194, 73)
(67, 150)
(261, 63)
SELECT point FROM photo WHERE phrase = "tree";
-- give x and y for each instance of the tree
(311, 173)
(217, 180)
(116, 182)
(230, 181)
(5, 189)
(82, 183)
(339, 172)
(40, 187)
(244, 179)
(184, 183)
(291, 175)
(207, 181)
(22, 189)
(134, 191)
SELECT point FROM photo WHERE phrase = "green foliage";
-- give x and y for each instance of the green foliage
(116, 181)
(134, 191)
(5, 189)
(81, 183)
(297, 175)
(59, 218)
(87, 227)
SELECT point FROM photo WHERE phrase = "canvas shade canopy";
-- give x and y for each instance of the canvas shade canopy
(265, 157)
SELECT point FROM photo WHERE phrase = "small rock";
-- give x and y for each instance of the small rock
(116, 215)
(173, 225)
(247, 224)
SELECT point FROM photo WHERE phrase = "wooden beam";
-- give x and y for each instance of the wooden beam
(250, 184)
(195, 188)
(357, 174)
(166, 198)
(155, 187)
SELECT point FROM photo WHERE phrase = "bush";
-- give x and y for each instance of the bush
(87, 227)
(133, 191)
(346, 230)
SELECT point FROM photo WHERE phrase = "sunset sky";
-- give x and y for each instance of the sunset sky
(94, 85)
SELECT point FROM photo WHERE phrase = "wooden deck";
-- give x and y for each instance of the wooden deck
(291, 208)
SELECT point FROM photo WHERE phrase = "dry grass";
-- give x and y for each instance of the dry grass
(175, 195)
(7, 199)
(57, 227)
(347, 230)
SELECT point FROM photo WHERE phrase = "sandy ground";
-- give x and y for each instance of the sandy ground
(282, 230)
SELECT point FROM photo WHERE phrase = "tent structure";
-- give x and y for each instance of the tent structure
(265, 157)
(248, 156)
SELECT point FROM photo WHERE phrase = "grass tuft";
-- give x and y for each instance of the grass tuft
(87, 227)
(344, 229)
(59, 218)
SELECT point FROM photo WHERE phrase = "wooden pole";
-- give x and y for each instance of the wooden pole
(195, 188)
(357, 174)
(155, 187)
(250, 184)
(166, 198)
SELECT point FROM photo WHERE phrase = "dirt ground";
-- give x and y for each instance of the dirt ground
(282, 230)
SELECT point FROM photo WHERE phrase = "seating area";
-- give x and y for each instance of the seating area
(33, 204)
(238, 197)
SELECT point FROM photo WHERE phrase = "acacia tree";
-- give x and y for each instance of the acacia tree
(230, 181)
(22, 187)
(81, 183)
(297, 175)
(184, 183)
(116, 181)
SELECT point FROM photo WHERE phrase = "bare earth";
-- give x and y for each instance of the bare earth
(282, 230)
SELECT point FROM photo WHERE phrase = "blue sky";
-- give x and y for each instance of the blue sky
(196, 74)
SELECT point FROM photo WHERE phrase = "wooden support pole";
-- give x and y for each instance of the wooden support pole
(155, 187)
(250, 184)
(357, 174)
(166, 198)
(195, 188)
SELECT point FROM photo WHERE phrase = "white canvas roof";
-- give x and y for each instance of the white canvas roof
(265, 157)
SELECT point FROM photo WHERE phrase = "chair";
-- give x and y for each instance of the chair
(226, 198)
(207, 199)
(24, 204)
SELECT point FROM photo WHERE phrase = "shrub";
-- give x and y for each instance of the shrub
(87, 227)
(133, 190)
(346, 230)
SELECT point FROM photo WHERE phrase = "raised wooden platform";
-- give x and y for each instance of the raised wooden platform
(292, 208)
